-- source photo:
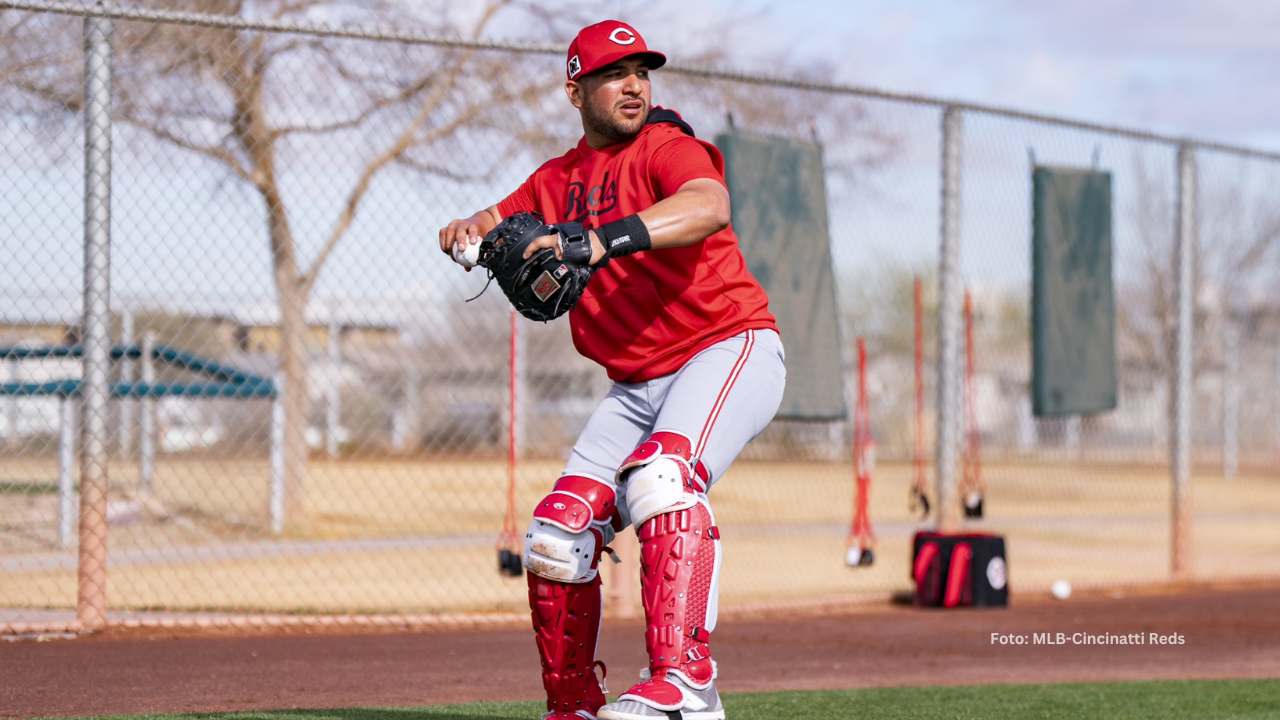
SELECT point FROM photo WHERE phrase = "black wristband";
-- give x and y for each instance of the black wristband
(623, 237)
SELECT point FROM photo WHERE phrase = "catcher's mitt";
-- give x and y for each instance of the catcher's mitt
(542, 287)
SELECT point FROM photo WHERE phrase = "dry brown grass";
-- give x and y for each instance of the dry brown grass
(394, 536)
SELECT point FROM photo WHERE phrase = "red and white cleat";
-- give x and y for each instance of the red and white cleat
(667, 695)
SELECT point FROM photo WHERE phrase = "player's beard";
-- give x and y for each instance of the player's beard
(613, 128)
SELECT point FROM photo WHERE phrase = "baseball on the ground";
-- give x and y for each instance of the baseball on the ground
(1061, 589)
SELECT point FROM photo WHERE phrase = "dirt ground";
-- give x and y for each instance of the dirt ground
(1217, 633)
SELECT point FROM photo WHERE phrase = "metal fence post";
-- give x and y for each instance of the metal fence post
(91, 601)
(404, 424)
(147, 428)
(333, 390)
(1071, 437)
(276, 494)
(1028, 433)
(1180, 425)
(126, 405)
(11, 372)
(948, 370)
(1230, 397)
(67, 471)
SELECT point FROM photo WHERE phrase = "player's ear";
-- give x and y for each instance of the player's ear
(574, 91)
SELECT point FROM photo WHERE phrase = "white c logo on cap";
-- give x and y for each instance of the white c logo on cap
(622, 36)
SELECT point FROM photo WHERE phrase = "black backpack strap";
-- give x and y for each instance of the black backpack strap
(658, 114)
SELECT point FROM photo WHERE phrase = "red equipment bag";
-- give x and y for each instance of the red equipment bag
(959, 570)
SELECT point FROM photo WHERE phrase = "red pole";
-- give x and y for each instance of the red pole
(855, 447)
(508, 537)
(860, 533)
(862, 421)
(919, 498)
(972, 460)
(975, 440)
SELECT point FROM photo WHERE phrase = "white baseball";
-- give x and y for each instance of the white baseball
(1061, 589)
(467, 254)
(852, 556)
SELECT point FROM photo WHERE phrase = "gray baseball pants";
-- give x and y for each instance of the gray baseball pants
(721, 399)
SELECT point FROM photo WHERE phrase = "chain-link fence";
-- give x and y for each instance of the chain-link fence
(283, 411)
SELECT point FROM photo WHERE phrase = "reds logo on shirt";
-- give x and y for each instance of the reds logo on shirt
(581, 202)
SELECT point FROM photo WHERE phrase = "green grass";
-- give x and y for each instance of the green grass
(1179, 700)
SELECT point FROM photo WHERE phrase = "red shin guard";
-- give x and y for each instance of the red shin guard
(566, 625)
(678, 576)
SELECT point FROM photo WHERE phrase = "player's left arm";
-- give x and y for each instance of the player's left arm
(698, 209)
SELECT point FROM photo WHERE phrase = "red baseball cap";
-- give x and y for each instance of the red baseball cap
(605, 43)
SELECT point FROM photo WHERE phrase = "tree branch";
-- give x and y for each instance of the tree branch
(1264, 241)
(403, 142)
(406, 139)
(213, 152)
(69, 102)
(408, 161)
(359, 118)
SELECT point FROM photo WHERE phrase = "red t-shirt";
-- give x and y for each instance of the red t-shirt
(645, 315)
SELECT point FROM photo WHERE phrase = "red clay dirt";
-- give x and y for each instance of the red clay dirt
(1226, 634)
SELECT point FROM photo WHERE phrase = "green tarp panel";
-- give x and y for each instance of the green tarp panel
(1072, 298)
(780, 216)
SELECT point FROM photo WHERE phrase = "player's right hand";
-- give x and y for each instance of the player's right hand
(460, 233)
(465, 230)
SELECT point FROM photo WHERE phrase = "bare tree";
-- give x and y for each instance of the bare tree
(1237, 247)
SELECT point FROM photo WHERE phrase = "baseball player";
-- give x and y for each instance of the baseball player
(685, 333)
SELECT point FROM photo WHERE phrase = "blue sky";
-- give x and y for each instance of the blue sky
(1182, 66)
(1191, 69)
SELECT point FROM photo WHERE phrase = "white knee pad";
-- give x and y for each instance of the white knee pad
(557, 554)
(657, 487)
(661, 475)
(570, 528)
